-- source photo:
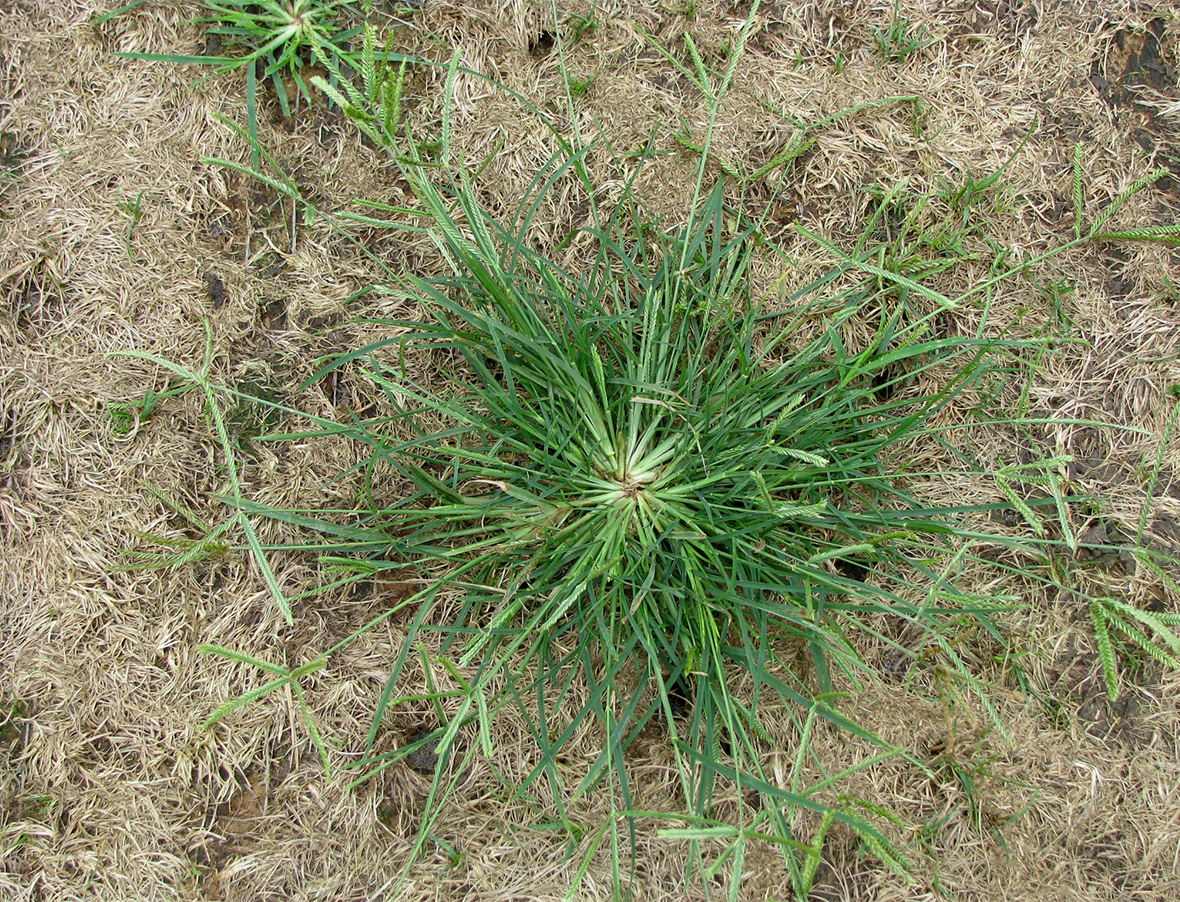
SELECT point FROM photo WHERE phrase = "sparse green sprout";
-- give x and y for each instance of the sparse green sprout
(126, 416)
(579, 86)
(133, 209)
(187, 380)
(900, 40)
(579, 27)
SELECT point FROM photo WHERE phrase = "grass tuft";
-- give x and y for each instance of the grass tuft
(648, 494)
(646, 479)
(281, 39)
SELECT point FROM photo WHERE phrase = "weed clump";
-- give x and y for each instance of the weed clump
(647, 495)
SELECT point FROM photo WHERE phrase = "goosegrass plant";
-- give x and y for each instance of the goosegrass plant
(900, 40)
(648, 494)
(643, 482)
(646, 487)
(282, 38)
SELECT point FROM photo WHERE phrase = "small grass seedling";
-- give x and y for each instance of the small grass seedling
(133, 209)
(900, 40)
(282, 38)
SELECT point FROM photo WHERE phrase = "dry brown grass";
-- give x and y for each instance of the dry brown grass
(109, 786)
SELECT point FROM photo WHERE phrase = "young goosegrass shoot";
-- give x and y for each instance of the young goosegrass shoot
(281, 40)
